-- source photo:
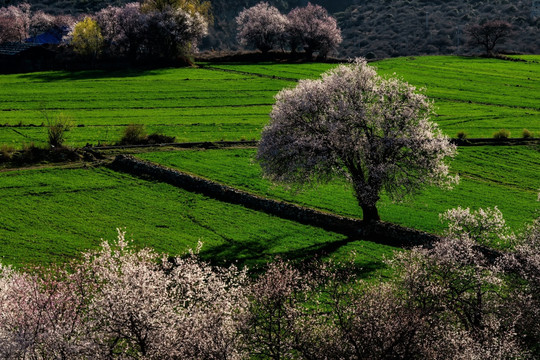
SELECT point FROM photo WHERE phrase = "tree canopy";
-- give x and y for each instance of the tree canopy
(87, 39)
(262, 26)
(375, 132)
(489, 34)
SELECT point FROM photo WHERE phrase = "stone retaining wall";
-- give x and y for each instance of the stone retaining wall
(384, 233)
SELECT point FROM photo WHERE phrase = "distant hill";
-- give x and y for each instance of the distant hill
(416, 27)
(373, 28)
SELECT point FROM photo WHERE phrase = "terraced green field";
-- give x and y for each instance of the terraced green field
(191, 104)
(51, 215)
(475, 95)
(232, 102)
(507, 177)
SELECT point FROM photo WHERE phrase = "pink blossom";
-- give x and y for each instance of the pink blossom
(375, 132)
(312, 28)
(261, 26)
(14, 23)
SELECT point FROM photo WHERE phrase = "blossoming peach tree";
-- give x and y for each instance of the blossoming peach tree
(352, 123)
(262, 26)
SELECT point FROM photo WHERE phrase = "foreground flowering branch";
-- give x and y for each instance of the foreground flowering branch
(451, 301)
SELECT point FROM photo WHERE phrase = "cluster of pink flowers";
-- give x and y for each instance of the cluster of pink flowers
(120, 302)
(309, 27)
(458, 299)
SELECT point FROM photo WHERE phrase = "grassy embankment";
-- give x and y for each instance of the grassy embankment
(191, 104)
(507, 177)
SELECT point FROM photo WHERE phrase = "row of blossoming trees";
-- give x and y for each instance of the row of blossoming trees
(162, 28)
(169, 28)
(456, 300)
(310, 28)
(158, 28)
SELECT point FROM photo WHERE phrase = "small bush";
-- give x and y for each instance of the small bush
(56, 129)
(6, 152)
(134, 134)
(156, 138)
(527, 134)
(462, 135)
(501, 134)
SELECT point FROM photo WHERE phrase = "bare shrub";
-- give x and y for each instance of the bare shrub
(6, 152)
(134, 134)
(501, 134)
(56, 129)
(526, 134)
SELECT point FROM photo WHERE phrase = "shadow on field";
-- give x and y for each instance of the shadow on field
(255, 254)
(86, 75)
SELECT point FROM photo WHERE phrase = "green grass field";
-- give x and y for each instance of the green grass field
(475, 95)
(506, 177)
(51, 215)
(478, 96)
(191, 104)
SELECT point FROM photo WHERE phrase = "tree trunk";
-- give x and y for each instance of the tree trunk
(371, 214)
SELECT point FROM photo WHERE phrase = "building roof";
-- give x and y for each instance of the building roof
(14, 48)
(52, 36)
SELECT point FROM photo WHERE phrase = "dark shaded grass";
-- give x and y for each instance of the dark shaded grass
(52, 215)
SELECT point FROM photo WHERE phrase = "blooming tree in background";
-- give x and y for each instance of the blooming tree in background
(18, 23)
(261, 26)
(40, 22)
(174, 32)
(14, 23)
(175, 26)
(193, 7)
(312, 28)
(124, 29)
(164, 31)
(352, 123)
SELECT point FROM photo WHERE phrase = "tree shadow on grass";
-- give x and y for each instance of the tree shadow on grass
(86, 75)
(255, 254)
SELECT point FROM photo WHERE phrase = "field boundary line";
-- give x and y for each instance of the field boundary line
(217, 68)
(69, 165)
(254, 143)
(495, 142)
(381, 232)
(184, 145)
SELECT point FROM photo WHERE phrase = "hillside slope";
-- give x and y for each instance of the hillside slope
(417, 27)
